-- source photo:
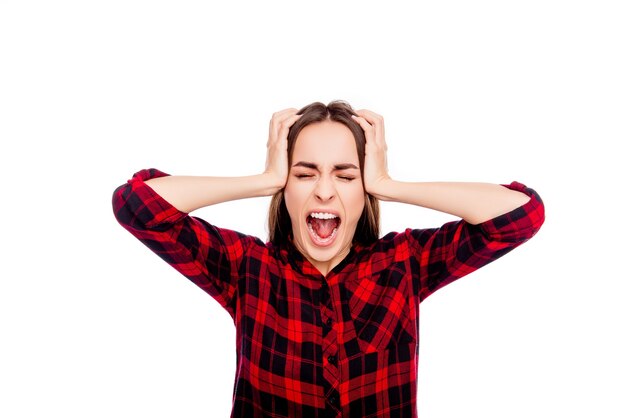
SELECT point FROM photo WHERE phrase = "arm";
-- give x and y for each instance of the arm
(153, 207)
(495, 218)
(188, 193)
(458, 248)
(207, 255)
(474, 202)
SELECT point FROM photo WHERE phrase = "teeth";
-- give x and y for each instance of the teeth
(322, 215)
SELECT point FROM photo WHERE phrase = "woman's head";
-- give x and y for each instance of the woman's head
(324, 206)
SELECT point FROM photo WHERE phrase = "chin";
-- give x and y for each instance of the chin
(323, 251)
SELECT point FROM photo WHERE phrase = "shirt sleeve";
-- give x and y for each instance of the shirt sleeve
(207, 255)
(457, 248)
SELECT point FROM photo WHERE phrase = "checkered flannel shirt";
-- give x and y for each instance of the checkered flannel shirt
(312, 346)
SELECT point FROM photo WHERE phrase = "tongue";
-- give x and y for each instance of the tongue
(323, 227)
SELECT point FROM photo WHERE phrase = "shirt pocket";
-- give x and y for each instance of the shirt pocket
(380, 311)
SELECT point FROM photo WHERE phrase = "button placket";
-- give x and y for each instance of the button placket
(329, 347)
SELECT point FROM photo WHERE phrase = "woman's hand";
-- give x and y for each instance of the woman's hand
(276, 164)
(375, 171)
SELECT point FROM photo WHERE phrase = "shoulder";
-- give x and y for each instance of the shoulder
(391, 247)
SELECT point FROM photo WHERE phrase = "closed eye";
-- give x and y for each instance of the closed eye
(345, 178)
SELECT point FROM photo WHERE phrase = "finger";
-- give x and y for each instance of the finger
(276, 121)
(282, 112)
(285, 125)
(279, 128)
(362, 122)
(371, 117)
(368, 114)
(370, 131)
(378, 122)
(279, 117)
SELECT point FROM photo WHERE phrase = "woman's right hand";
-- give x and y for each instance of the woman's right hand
(276, 164)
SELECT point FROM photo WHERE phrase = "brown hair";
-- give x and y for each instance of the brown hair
(279, 222)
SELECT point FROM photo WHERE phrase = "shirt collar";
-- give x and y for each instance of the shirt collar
(290, 254)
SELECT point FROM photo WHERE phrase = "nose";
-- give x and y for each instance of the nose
(324, 189)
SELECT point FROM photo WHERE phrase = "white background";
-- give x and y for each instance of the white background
(92, 324)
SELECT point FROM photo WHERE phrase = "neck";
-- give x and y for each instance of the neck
(324, 267)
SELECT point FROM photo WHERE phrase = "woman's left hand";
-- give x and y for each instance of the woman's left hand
(375, 171)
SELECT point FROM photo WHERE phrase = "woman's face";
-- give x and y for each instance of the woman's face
(324, 193)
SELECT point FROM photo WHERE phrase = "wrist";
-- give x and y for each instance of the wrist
(381, 189)
(270, 183)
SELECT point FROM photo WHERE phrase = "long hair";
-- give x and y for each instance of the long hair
(279, 222)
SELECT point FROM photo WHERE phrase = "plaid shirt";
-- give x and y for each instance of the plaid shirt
(314, 346)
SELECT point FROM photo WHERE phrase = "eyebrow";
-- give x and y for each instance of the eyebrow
(337, 167)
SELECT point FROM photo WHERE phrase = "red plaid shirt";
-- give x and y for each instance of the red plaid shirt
(314, 346)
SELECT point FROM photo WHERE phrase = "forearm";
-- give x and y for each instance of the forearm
(474, 202)
(188, 193)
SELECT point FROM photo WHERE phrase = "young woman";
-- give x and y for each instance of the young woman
(326, 312)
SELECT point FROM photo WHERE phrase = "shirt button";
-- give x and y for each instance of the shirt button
(332, 359)
(329, 322)
(332, 400)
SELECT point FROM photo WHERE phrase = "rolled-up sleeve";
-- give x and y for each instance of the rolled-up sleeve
(443, 255)
(207, 255)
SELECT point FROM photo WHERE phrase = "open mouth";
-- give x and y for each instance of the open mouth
(323, 227)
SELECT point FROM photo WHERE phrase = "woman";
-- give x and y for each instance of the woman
(326, 312)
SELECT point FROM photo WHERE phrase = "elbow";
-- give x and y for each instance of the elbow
(531, 214)
(538, 212)
(532, 210)
(520, 224)
(119, 203)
